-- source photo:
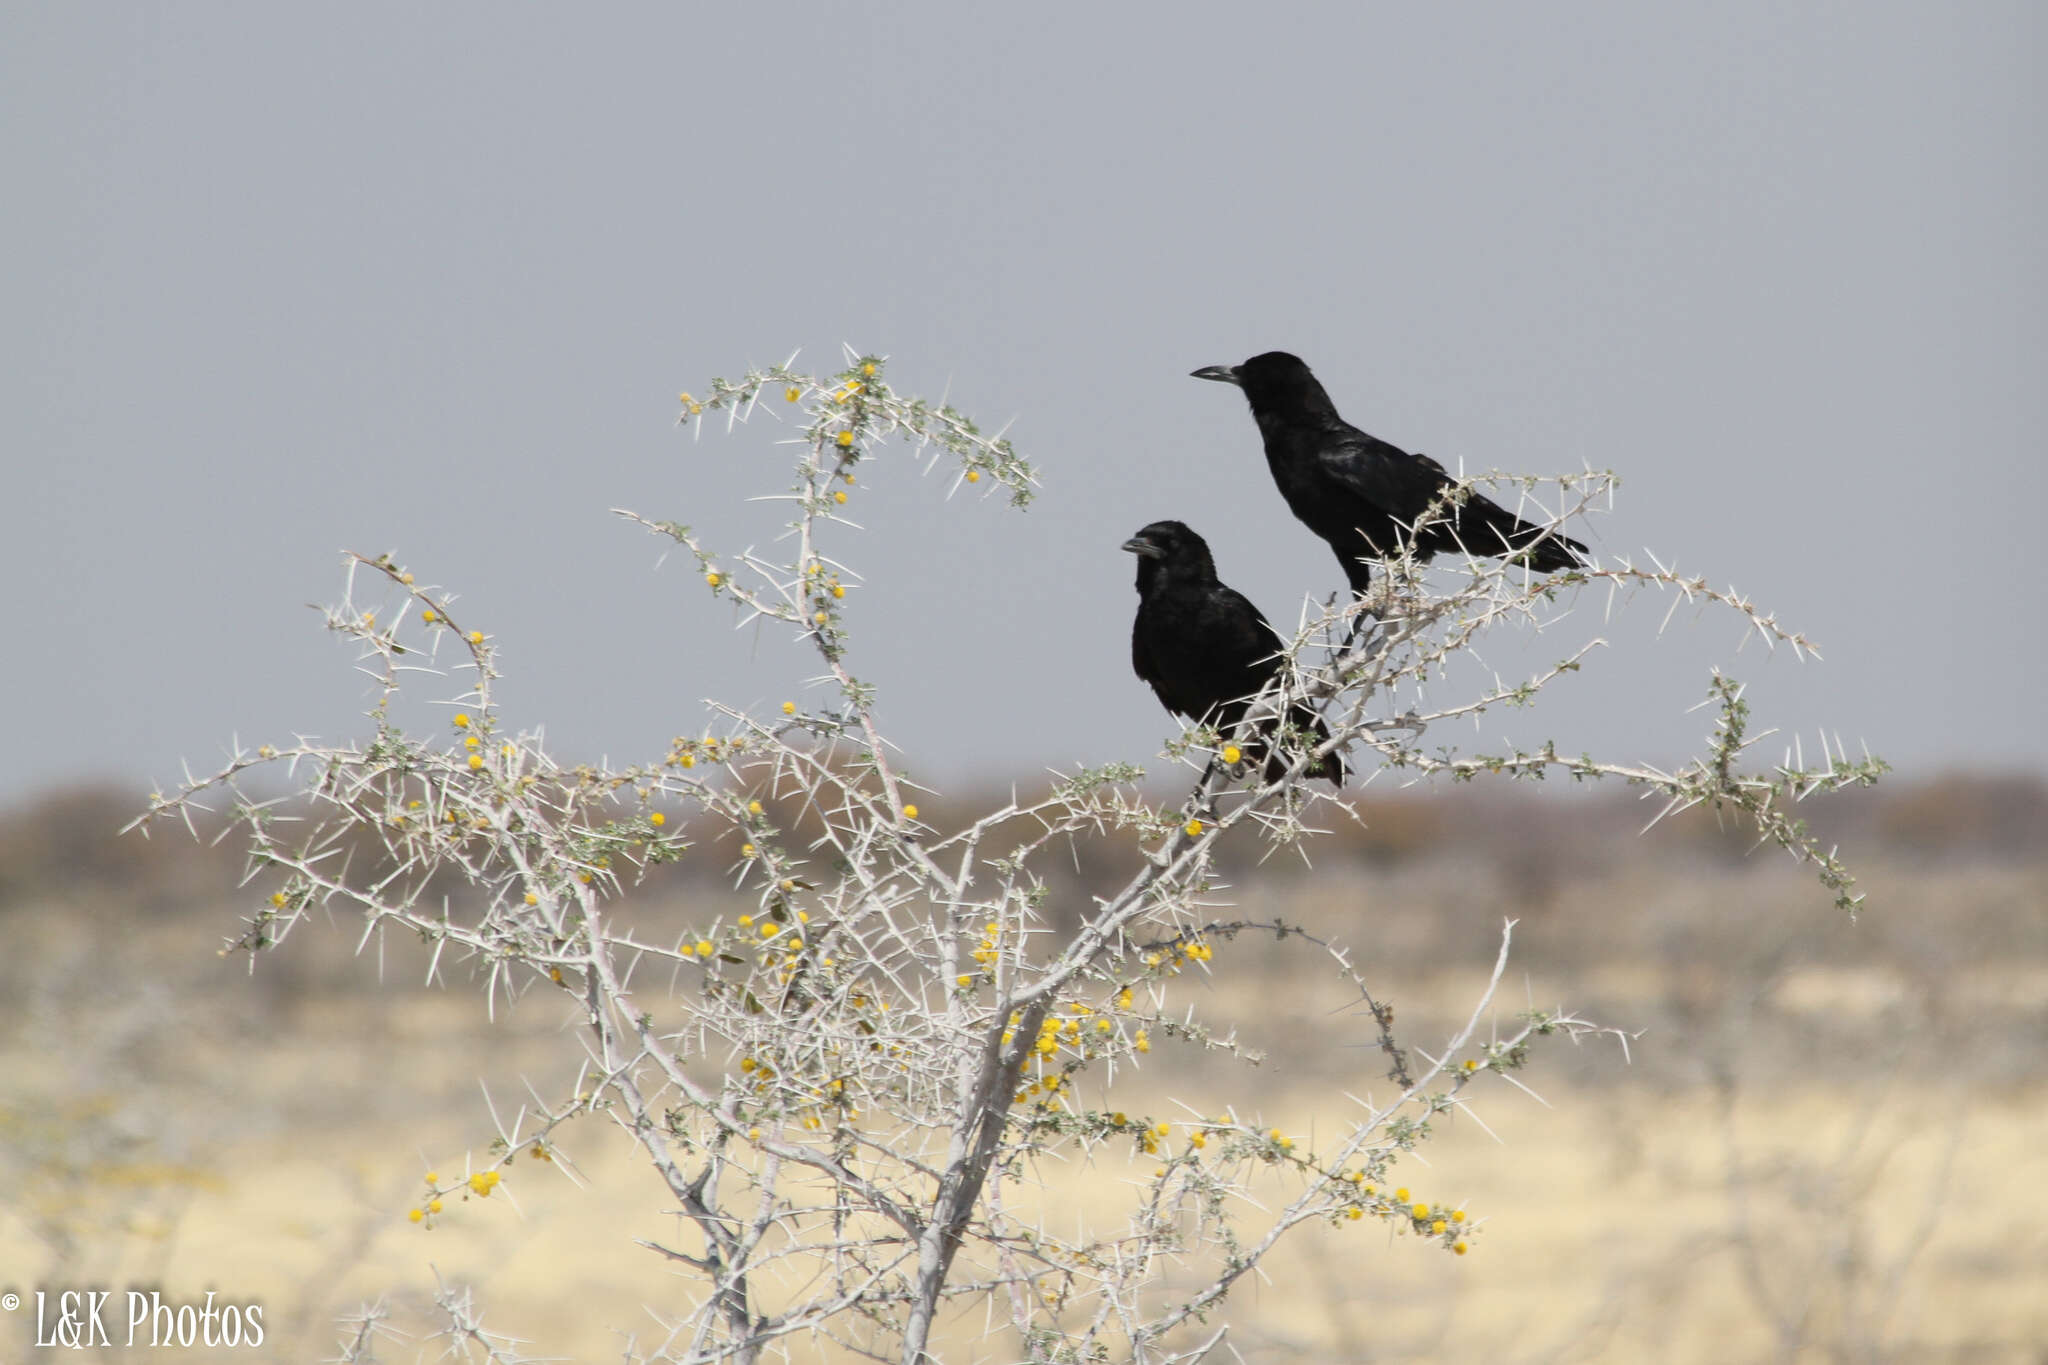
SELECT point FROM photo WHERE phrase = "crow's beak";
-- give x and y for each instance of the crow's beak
(1222, 374)
(1139, 546)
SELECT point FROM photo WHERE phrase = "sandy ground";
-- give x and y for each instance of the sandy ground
(1813, 1152)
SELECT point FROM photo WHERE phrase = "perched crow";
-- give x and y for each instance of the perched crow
(1360, 493)
(1204, 648)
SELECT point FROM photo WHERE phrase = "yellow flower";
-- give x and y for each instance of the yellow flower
(714, 579)
(747, 921)
(705, 947)
(1355, 1214)
(868, 369)
(1437, 1228)
(1197, 1141)
(965, 980)
(406, 579)
(1459, 1247)
(1142, 1041)
(753, 807)
(472, 742)
(1419, 1212)
(839, 496)
(1194, 829)
(1457, 1215)
(476, 637)
(845, 439)
(415, 1215)
(821, 618)
(1401, 1195)
(789, 708)
(770, 930)
(461, 720)
(974, 476)
(428, 616)
(910, 812)
(791, 394)
(476, 761)
(746, 850)
(748, 1063)
(532, 899)
(657, 819)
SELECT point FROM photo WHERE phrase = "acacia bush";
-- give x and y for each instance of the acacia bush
(863, 1093)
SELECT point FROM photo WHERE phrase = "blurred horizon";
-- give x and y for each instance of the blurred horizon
(1822, 1137)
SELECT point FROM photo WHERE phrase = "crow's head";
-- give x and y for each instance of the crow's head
(1170, 547)
(1273, 382)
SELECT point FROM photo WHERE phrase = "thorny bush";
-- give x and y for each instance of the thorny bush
(861, 1093)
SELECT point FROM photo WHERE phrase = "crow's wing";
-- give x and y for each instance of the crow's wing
(1381, 473)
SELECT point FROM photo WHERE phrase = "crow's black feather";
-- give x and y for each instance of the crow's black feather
(1364, 495)
(1205, 649)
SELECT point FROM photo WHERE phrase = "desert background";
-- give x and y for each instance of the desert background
(1822, 1144)
(288, 281)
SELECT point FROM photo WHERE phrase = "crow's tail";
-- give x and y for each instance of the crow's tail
(1507, 534)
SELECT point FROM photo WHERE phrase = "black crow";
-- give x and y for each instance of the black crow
(1362, 494)
(1204, 648)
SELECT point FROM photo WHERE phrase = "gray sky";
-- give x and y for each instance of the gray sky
(281, 280)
